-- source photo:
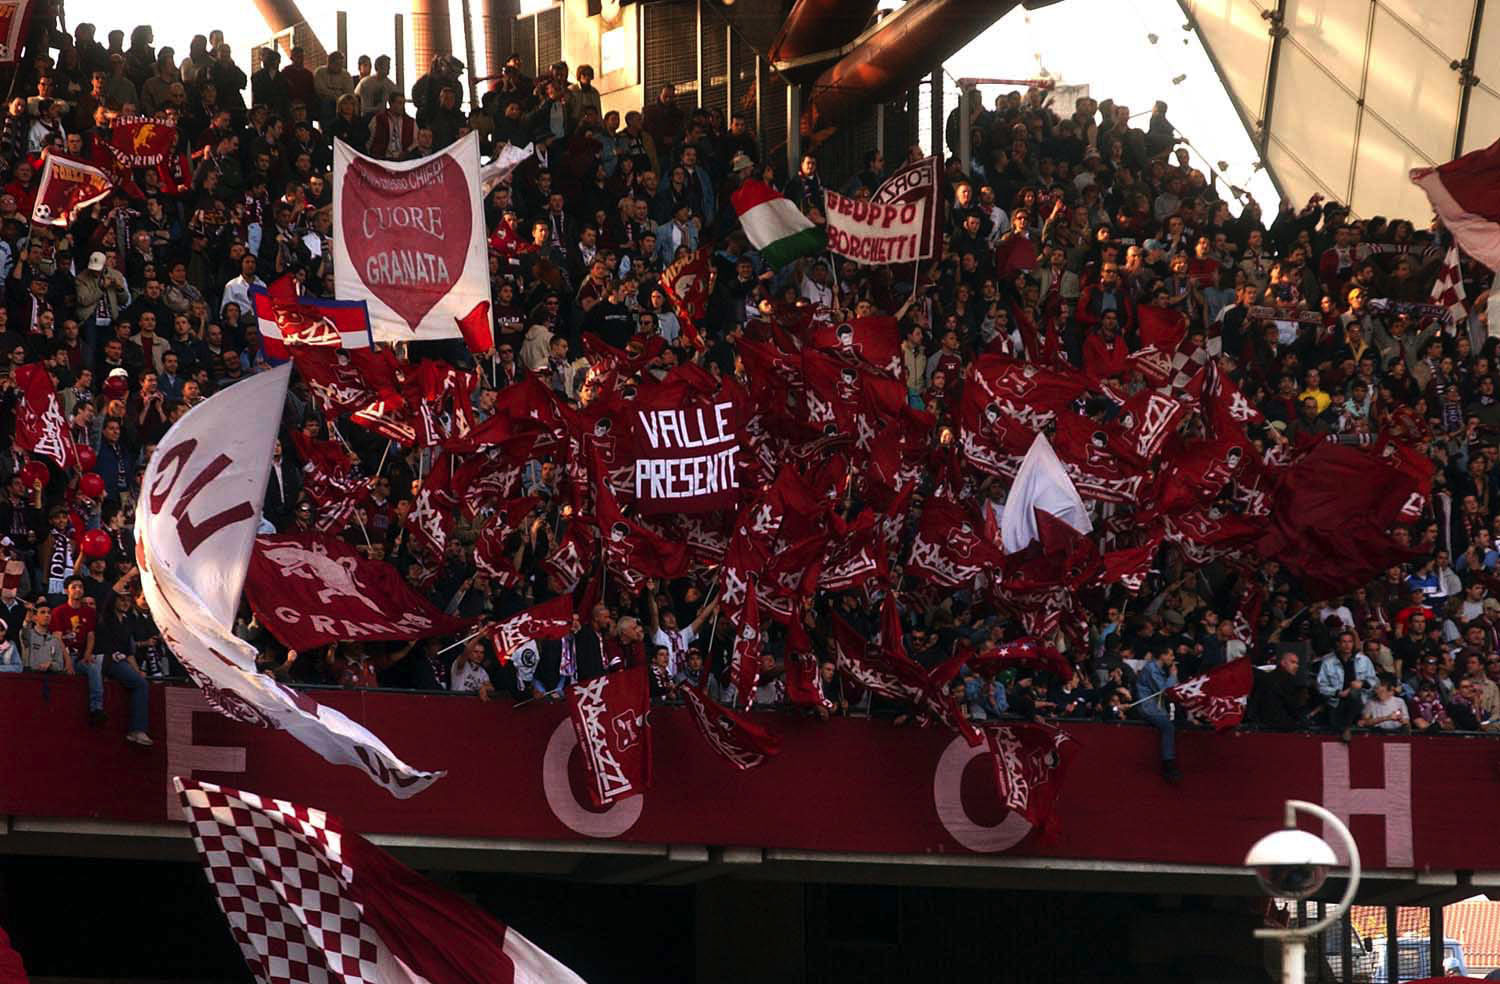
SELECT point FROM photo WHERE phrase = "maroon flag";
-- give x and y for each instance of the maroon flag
(1333, 509)
(804, 681)
(67, 188)
(1160, 328)
(311, 590)
(431, 516)
(1030, 762)
(687, 283)
(1027, 652)
(327, 469)
(478, 329)
(733, 737)
(744, 665)
(854, 557)
(1464, 194)
(439, 402)
(549, 620)
(489, 549)
(40, 425)
(1128, 566)
(308, 900)
(141, 141)
(875, 341)
(948, 550)
(1247, 615)
(1217, 696)
(856, 661)
(631, 550)
(574, 554)
(609, 716)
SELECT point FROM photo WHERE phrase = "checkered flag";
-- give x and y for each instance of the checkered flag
(1448, 290)
(311, 904)
(1187, 365)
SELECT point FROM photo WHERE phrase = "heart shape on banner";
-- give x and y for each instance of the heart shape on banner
(407, 232)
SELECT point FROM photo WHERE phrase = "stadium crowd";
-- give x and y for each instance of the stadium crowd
(139, 310)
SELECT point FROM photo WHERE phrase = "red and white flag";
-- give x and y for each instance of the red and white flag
(67, 187)
(41, 427)
(609, 716)
(733, 737)
(549, 620)
(744, 663)
(313, 321)
(1465, 193)
(1448, 288)
(309, 901)
(409, 239)
(1042, 493)
(194, 533)
(1218, 696)
(687, 283)
(311, 590)
(1030, 763)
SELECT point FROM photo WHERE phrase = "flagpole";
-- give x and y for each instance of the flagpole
(477, 632)
(383, 455)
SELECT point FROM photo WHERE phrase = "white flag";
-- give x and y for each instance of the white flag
(195, 525)
(1041, 484)
(499, 169)
(409, 239)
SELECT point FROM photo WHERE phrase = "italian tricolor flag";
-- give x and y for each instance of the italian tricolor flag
(774, 226)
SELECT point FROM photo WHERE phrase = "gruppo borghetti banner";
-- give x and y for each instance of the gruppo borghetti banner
(872, 233)
(409, 239)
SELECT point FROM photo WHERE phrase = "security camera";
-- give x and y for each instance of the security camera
(1290, 863)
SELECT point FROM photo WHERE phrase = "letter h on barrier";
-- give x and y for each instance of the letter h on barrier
(1391, 802)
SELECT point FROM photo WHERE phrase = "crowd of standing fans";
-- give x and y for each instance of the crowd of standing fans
(1076, 217)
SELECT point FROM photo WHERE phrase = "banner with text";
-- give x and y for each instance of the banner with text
(409, 239)
(311, 590)
(686, 444)
(871, 233)
(917, 182)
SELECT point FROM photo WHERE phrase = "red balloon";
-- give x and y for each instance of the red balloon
(95, 543)
(91, 484)
(87, 459)
(34, 473)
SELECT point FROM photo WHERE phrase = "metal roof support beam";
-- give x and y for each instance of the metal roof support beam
(1245, 121)
(1467, 79)
(1277, 28)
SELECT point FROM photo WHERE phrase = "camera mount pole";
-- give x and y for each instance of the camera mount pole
(1294, 939)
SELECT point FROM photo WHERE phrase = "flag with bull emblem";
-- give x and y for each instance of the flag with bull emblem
(733, 737)
(141, 141)
(686, 284)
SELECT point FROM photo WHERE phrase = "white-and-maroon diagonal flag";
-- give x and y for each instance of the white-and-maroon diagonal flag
(1448, 289)
(311, 903)
(194, 528)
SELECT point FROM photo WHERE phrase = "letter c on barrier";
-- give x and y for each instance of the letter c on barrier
(565, 806)
(947, 796)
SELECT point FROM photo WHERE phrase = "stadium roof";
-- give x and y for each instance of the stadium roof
(1344, 96)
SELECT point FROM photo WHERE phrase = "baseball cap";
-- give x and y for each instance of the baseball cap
(96, 261)
(118, 373)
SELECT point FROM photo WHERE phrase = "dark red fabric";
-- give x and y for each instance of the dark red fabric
(1474, 181)
(550, 620)
(609, 715)
(11, 969)
(1219, 695)
(735, 738)
(478, 329)
(744, 661)
(311, 590)
(1030, 762)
